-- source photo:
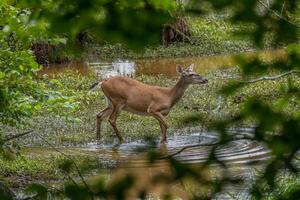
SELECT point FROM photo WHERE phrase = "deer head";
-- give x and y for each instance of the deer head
(189, 76)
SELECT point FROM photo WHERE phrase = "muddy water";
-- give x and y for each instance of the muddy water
(154, 67)
(74, 66)
(202, 64)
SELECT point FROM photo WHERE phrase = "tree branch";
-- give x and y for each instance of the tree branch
(12, 137)
(271, 77)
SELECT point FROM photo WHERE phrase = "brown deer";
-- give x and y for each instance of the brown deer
(123, 93)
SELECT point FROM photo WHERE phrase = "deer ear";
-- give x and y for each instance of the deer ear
(179, 69)
(190, 68)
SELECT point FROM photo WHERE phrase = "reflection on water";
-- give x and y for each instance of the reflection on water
(124, 68)
(116, 68)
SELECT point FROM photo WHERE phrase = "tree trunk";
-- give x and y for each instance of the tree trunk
(176, 31)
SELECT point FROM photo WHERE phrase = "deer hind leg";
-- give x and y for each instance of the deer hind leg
(162, 124)
(112, 120)
(100, 116)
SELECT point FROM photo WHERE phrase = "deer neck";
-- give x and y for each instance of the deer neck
(177, 91)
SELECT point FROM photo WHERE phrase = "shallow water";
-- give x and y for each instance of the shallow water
(239, 151)
(243, 158)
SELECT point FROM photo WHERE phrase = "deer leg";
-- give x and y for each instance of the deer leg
(162, 124)
(100, 116)
(112, 120)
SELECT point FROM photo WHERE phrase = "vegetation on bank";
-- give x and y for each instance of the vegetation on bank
(210, 35)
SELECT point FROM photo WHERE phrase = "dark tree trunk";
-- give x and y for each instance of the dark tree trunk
(176, 31)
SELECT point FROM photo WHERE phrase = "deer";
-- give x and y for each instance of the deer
(123, 93)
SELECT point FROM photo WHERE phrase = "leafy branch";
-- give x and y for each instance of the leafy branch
(12, 137)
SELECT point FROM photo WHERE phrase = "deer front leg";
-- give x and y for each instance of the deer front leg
(100, 116)
(112, 120)
(163, 125)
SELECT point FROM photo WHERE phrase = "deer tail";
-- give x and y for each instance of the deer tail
(95, 86)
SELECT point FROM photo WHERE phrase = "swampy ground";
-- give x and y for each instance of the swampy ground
(56, 133)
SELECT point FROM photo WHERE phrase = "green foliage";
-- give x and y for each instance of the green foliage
(19, 92)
